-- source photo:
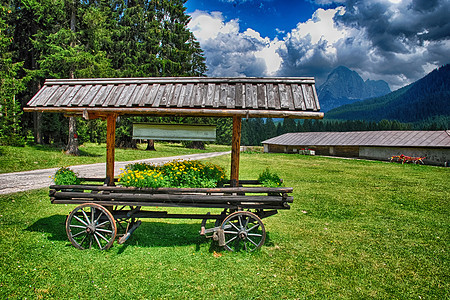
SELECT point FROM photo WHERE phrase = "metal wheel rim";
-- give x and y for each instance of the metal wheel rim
(91, 226)
(243, 230)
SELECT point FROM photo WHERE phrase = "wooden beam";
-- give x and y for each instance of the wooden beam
(235, 151)
(192, 112)
(110, 147)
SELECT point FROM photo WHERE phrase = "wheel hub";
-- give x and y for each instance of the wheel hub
(90, 229)
(243, 234)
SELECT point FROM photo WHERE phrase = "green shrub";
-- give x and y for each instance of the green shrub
(269, 179)
(65, 176)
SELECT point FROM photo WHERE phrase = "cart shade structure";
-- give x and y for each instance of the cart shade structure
(106, 208)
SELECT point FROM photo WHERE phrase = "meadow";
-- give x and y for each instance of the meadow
(356, 230)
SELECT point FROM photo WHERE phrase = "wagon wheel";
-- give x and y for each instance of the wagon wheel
(91, 226)
(243, 230)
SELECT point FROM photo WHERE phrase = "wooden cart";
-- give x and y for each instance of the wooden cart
(105, 208)
(109, 211)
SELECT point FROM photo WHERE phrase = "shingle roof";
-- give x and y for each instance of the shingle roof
(291, 97)
(364, 138)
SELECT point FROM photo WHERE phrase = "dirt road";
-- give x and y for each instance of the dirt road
(29, 180)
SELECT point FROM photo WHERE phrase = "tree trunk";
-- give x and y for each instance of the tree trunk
(151, 145)
(72, 145)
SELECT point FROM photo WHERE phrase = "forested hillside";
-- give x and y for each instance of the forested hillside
(425, 100)
(42, 39)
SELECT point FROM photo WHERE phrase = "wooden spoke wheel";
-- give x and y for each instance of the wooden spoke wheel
(91, 226)
(243, 230)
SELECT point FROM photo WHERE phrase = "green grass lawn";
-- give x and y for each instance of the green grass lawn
(356, 230)
(15, 159)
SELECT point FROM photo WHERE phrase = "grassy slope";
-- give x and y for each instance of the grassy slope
(356, 230)
(14, 159)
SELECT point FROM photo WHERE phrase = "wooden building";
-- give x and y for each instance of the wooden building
(237, 98)
(380, 145)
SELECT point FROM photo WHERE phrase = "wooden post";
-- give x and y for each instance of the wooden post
(235, 151)
(110, 146)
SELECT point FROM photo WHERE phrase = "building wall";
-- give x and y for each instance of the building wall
(434, 156)
(345, 151)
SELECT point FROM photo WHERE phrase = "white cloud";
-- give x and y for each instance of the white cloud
(397, 41)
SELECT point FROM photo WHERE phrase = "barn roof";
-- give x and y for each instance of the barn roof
(365, 138)
(194, 96)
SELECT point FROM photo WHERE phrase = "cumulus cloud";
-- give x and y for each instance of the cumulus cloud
(230, 52)
(398, 41)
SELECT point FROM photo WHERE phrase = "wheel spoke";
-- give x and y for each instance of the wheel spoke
(78, 226)
(98, 218)
(230, 240)
(82, 241)
(240, 220)
(98, 242)
(234, 226)
(246, 222)
(104, 230)
(252, 241)
(254, 234)
(100, 235)
(77, 234)
(80, 220)
(103, 224)
(257, 225)
(90, 241)
(92, 213)
(231, 232)
(85, 216)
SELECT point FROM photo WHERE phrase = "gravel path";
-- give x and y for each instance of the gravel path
(30, 180)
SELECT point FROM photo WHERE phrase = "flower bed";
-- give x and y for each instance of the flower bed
(172, 174)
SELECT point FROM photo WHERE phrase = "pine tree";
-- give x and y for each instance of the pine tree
(10, 86)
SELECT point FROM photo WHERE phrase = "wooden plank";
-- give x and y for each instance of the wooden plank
(167, 198)
(174, 132)
(67, 99)
(249, 95)
(56, 95)
(45, 95)
(276, 97)
(192, 112)
(308, 94)
(290, 97)
(158, 96)
(101, 95)
(182, 80)
(76, 100)
(210, 94)
(166, 97)
(243, 205)
(124, 96)
(115, 95)
(235, 151)
(139, 94)
(187, 98)
(240, 96)
(297, 95)
(199, 95)
(90, 96)
(231, 96)
(149, 95)
(223, 95)
(316, 98)
(168, 190)
(283, 96)
(261, 96)
(270, 96)
(110, 146)
(215, 102)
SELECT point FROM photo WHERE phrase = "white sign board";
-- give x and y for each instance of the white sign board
(174, 132)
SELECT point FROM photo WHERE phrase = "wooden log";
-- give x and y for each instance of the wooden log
(192, 112)
(244, 205)
(193, 198)
(235, 151)
(164, 190)
(110, 146)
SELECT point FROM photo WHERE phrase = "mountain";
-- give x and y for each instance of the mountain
(424, 99)
(344, 86)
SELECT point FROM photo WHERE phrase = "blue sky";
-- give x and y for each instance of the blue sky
(398, 41)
